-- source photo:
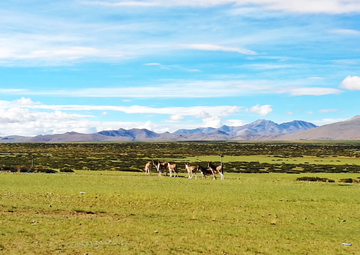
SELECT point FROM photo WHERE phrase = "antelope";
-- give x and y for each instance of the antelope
(205, 171)
(217, 169)
(160, 166)
(172, 168)
(147, 167)
(190, 170)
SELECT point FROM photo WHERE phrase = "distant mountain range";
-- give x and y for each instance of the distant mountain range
(257, 130)
(344, 130)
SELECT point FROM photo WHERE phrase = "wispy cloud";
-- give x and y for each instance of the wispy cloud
(316, 78)
(310, 91)
(300, 6)
(172, 67)
(327, 110)
(124, 3)
(213, 111)
(55, 55)
(174, 89)
(189, 89)
(214, 47)
(267, 66)
(327, 121)
(345, 31)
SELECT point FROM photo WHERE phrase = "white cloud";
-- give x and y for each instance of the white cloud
(289, 113)
(25, 102)
(267, 66)
(316, 78)
(173, 89)
(311, 91)
(153, 64)
(309, 112)
(195, 111)
(351, 83)
(24, 117)
(175, 118)
(347, 62)
(262, 110)
(56, 54)
(327, 110)
(235, 123)
(326, 121)
(20, 121)
(212, 122)
(202, 115)
(345, 31)
(299, 6)
(172, 67)
(51, 49)
(123, 3)
(213, 47)
(148, 125)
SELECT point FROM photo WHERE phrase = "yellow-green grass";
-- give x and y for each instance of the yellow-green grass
(331, 160)
(130, 213)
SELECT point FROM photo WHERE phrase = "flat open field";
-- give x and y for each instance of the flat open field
(337, 160)
(112, 212)
(116, 209)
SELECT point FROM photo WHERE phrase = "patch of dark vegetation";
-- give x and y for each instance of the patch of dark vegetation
(349, 180)
(12, 169)
(314, 179)
(45, 170)
(24, 169)
(66, 169)
(83, 211)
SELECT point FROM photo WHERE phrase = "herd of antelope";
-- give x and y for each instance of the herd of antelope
(163, 167)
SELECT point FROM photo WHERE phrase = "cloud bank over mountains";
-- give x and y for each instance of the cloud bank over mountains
(27, 118)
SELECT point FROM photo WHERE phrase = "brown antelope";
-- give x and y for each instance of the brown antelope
(190, 170)
(147, 167)
(160, 166)
(217, 169)
(172, 168)
(205, 171)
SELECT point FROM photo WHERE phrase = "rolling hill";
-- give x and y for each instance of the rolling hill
(344, 130)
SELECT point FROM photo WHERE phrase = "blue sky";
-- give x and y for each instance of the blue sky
(88, 66)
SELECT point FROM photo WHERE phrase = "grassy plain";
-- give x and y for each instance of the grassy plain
(110, 212)
(335, 160)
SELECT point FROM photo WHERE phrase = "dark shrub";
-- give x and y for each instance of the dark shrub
(314, 179)
(349, 180)
(66, 170)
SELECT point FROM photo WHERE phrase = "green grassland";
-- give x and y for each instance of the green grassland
(112, 212)
(116, 209)
(333, 160)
